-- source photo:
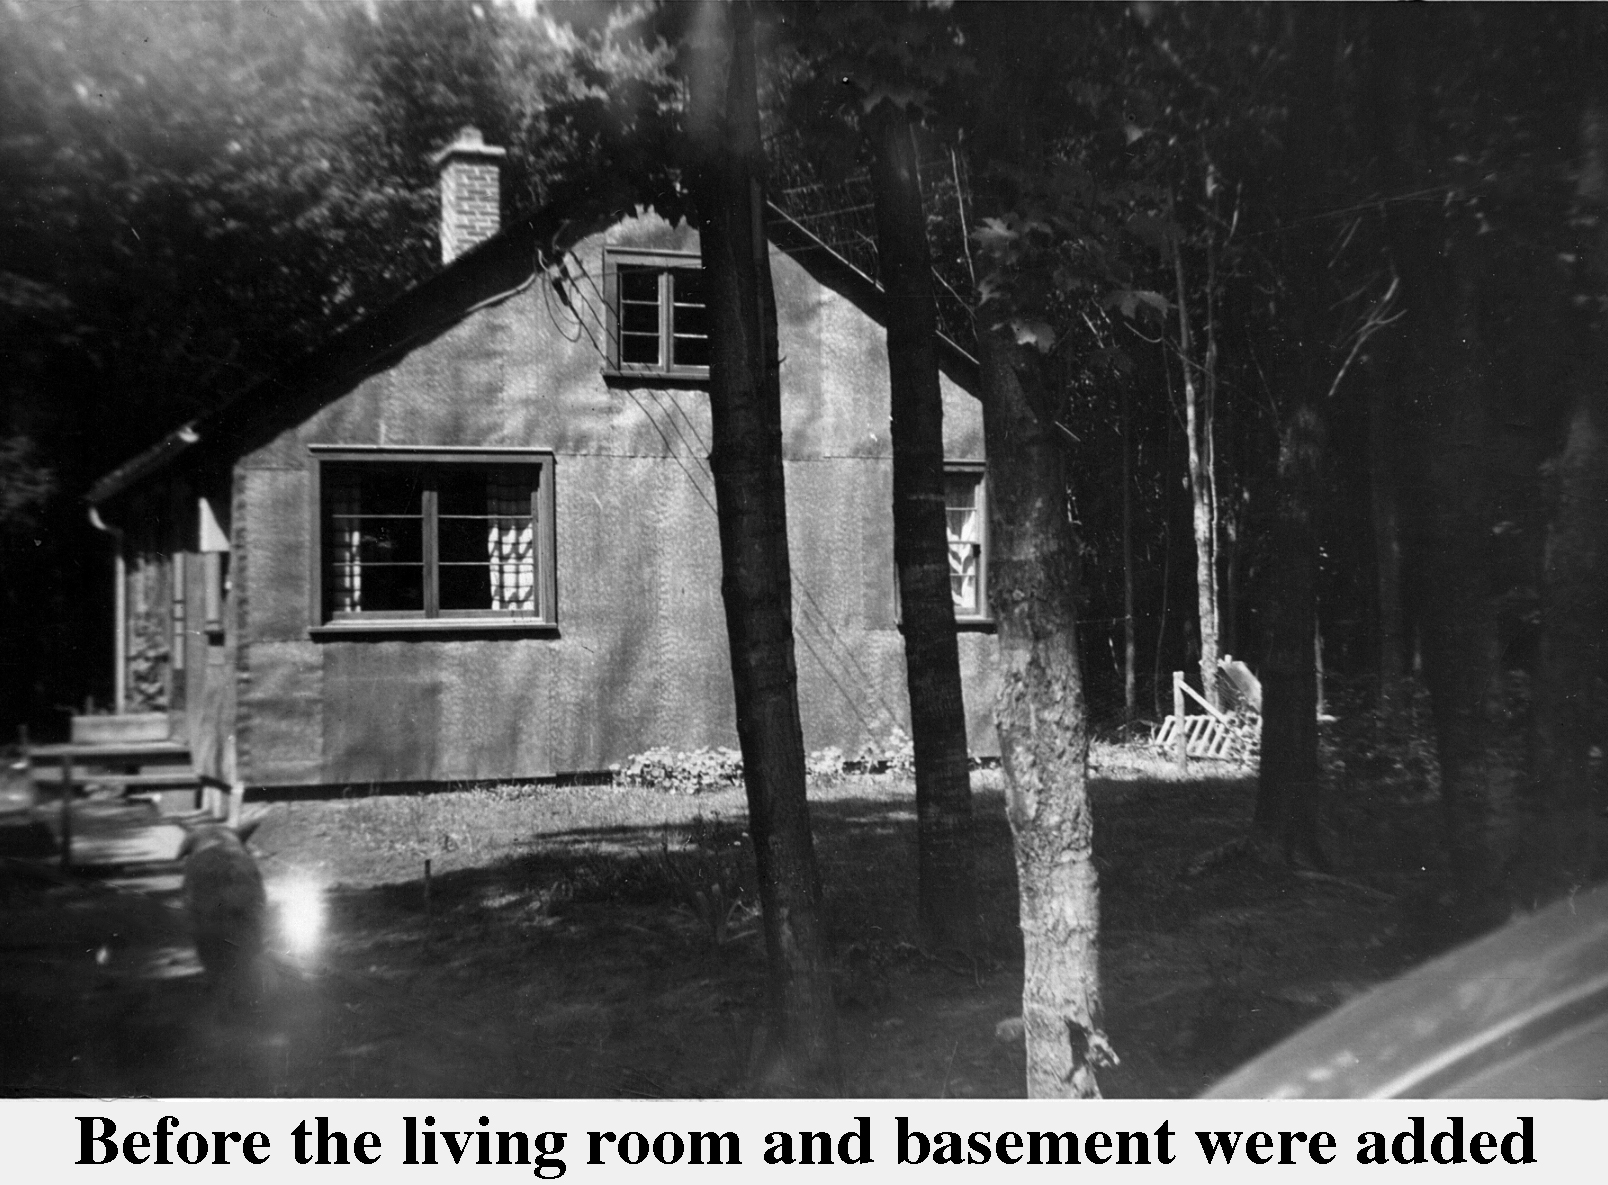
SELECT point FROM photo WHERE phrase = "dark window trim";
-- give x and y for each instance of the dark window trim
(544, 620)
(664, 262)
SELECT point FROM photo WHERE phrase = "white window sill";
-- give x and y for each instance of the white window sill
(649, 377)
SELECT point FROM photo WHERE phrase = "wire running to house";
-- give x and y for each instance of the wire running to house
(836, 658)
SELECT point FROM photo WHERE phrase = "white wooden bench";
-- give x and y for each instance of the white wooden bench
(1210, 733)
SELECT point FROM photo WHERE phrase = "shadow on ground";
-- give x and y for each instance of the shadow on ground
(597, 942)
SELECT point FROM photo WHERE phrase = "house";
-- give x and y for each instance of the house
(473, 535)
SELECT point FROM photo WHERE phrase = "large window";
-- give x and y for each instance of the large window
(415, 538)
(967, 514)
(658, 315)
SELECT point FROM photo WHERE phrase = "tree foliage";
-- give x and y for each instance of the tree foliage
(191, 196)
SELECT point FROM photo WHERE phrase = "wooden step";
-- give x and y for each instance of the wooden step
(124, 753)
(47, 776)
(145, 780)
(122, 729)
(157, 772)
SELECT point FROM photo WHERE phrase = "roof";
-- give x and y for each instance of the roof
(492, 271)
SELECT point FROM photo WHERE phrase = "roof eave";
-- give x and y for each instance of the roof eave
(142, 465)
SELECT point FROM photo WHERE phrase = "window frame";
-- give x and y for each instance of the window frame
(983, 615)
(664, 263)
(427, 457)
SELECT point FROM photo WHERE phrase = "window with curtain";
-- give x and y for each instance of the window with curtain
(967, 527)
(448, 536)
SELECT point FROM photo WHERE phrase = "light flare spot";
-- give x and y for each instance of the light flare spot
(300, 904)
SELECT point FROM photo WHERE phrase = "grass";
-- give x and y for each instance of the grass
(597, 941)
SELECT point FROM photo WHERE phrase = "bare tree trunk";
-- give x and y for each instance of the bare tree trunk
(1448, 527)
(1157, 691)
(1287, 791)
(1208, 435)
(1197, 429)
(1559, 854)
(1288, 784)
(1130, 706)
(1043, 732)
(746, 460)
(1228, 611)
(1450, 532)
(1561, 851)
(1391, 655)
(947, 900)
(1317, 659)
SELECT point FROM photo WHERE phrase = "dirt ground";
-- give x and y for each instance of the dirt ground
(595, 941)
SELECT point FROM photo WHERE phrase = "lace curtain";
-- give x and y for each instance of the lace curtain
(965, 540)
(344, 498)
(511, 544)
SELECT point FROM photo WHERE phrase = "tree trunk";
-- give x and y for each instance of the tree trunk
(1288, 784)
(1559, 853)
(1231, 535)
(1448, 525)
(1033, 588)
(947, 903)
(1130, 705)
(1197, 427)
(1043, 735)
(1208, 437)
(756, 583)
(1158, 690)
(1287, 790)
(1391, 647)
(1450, 532)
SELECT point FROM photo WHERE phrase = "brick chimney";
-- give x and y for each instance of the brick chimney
(471, 192)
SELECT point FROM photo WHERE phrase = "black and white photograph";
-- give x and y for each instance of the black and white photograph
(782, 549)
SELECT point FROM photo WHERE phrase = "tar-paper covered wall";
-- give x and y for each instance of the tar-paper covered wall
(639, 657)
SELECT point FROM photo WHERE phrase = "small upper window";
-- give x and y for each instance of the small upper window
(658, 314)
(967, 517)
